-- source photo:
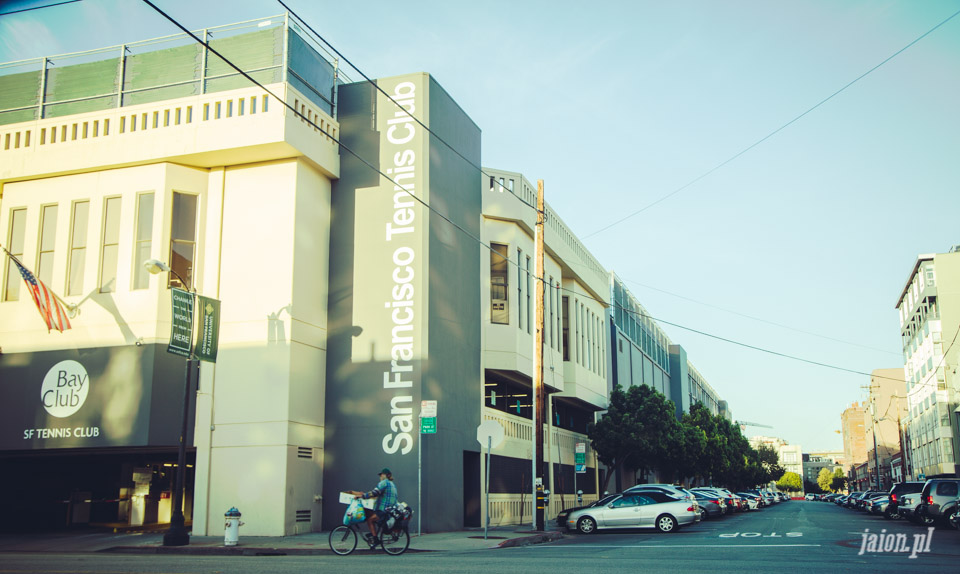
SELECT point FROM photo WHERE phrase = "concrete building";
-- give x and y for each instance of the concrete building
(854, 424)
(929, 311)
(813, 463)
(886, 407)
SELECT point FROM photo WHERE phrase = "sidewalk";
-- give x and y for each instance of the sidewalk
(88, 540)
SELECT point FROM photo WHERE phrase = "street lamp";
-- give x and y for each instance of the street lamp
(177, 534)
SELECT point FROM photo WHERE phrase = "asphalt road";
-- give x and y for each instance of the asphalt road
(796, 536)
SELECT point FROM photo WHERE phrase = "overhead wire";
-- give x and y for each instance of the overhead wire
(773, 133)
(388, 96)
(32, 8)
(460, 228)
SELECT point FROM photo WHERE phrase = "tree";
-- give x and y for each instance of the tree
(839, 481)
(638, 429)
(825, 479)
(790, 482)
(769, 462)
(812, 487)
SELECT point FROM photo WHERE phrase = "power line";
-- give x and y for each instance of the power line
(38, 7)
(761, 320)
(327, 134)
(379, 89)
(773, 133)
(445, 218)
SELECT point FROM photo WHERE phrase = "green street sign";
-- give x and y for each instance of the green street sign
(428, 425)
(580, 458)
(208, 333)
(181, 326)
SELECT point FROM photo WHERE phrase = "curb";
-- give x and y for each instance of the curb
(232, 551)
(530, 540)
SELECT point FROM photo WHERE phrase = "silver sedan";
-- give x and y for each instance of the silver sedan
(640, 510)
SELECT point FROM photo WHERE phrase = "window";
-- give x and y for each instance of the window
(559, 314)
(48, 239)
(519, 289)
(565, 322)
(111, 245)
(76, 257)
(183, 239)
(550, 324)
(499, 273)
(529, 306)
(142, 241)
(18, 227)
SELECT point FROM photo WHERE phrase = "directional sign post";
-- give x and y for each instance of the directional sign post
(491, 433)
(428, 425)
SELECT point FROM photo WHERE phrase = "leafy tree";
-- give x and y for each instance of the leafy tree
(685, 455)
(769, 462)
(825, 479)
(790, 482)
(839, 481)
(813, 487)
(639, 427)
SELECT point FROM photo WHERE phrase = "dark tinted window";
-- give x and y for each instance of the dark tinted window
(947, 489)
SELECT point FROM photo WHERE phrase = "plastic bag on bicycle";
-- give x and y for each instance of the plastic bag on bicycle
(354, 514)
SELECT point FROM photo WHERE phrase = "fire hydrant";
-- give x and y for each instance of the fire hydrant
(231, 533)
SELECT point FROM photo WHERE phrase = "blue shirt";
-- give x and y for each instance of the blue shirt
(386, 494)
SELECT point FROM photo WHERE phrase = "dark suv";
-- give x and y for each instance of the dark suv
(938, 499)
(896, 493)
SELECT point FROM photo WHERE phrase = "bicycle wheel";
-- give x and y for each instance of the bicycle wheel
(343, 540)
(395, 542)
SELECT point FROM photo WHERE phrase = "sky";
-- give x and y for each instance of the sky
(800, 244)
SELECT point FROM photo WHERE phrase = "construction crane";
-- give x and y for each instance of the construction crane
(745, 424)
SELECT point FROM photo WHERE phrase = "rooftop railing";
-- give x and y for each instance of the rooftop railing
(270, 50)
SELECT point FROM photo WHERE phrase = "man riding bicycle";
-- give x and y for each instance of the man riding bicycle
(386, 494)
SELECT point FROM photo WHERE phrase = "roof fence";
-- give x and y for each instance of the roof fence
(270, 50)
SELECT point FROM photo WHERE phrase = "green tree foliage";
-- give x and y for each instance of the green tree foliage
(639, 428)
(839, 481)
(825, 479)
(812, 487)
(790, 482)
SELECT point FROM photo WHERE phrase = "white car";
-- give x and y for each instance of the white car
(640, 510)
(810, 497)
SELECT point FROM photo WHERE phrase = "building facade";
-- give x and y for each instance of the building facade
(853, 423)
(886, 408)
(345, 301)
(929, 311)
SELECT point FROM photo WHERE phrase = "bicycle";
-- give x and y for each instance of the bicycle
(394, 541)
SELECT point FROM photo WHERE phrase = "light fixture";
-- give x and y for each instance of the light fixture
(155, 266)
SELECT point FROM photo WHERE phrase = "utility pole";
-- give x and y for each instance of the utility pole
(539, 389)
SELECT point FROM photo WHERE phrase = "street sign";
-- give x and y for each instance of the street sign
(208, 334)
(581, 447)
(428, 408)
(181, 327)
(580, 457)
(428, 425)
(492, 430)
(922, 477)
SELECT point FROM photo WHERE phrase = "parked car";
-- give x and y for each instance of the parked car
(877, 505)
(649, 509)
(709, 505)
(897, 491)
(868, 496)
(562, 516)
(938, 500)
(810, 496)
(753, 500)
(677, 491)
(908, 504)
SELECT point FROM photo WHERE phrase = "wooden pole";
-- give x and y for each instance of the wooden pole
(539, 390)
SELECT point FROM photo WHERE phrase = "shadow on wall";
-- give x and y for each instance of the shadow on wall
(276, 331)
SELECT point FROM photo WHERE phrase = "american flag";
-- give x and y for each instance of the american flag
(47, 303)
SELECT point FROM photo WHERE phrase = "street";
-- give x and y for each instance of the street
(796, 536)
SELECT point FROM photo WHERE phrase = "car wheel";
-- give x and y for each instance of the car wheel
(954, 519)
(587, 525)
(891, 514)
(703, 514)
(927, 520)
(666, 523)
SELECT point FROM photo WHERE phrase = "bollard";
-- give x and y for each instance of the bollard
(231, 533)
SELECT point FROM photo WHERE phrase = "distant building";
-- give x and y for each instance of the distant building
(813, 463)
(854, 428)
(791, 458)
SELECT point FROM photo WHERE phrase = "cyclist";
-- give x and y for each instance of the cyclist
(386, 494)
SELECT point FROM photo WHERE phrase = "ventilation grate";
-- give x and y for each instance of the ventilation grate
(304, 516)
(304, 452)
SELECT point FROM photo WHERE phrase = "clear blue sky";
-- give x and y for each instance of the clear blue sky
(617, 104)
